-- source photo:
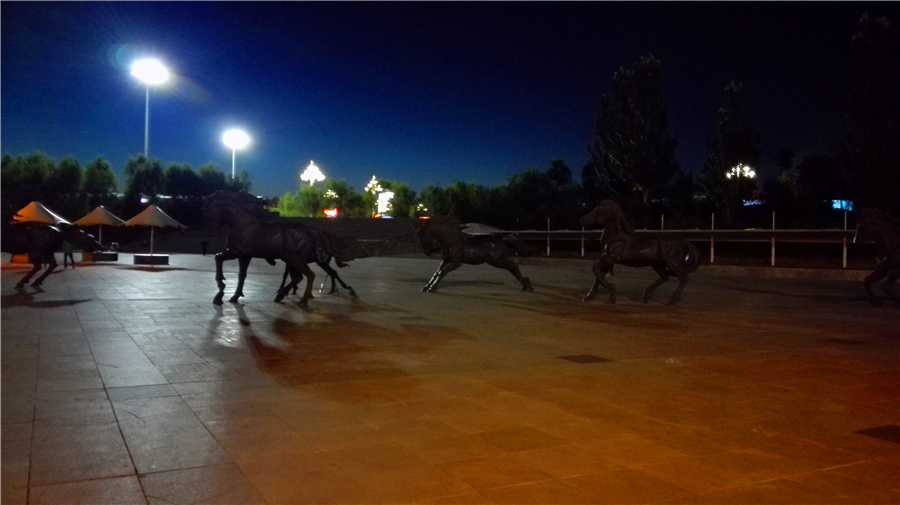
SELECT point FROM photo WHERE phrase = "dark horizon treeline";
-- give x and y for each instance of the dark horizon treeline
(72, 191)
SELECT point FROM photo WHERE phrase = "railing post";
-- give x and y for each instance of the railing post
(548, 236)
(773, 238)
(844, 240)
(712, 240)
(662, 221)
(582, 241)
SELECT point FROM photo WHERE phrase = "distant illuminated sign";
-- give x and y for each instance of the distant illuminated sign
(842, 205)
(330, 212)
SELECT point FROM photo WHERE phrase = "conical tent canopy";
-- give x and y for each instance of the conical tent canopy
(153, 216)
(100, 216)
(35, 212)
(480, 229)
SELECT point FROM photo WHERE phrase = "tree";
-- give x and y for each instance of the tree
(241, 182)
(64, 184)
(735, 144)
(871, 150)
(23, 179)
(212, 178)
(404, 202)
(143, 177)
(633, 149)
(100, 183)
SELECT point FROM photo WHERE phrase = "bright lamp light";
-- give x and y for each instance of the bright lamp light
(150, 71)
(235, 139)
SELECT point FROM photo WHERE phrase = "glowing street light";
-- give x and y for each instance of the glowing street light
(739, 171)
(151, 72)
(312, 174)
(235, 139)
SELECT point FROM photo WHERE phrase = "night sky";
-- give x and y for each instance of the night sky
(420, 93)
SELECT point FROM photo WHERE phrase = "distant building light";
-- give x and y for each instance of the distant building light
(748, 203)
(384, 201)
(842, 205)
(331, 213)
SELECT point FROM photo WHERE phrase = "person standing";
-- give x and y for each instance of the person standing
(68, 254)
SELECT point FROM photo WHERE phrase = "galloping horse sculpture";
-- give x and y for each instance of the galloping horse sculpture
(250, 236)
(457, 248)
(875, 226)
(40, 242)
(620, 246)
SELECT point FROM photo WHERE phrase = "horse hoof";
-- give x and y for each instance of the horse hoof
(217, 300)
(425, 290)
(233, 299)
(528, 288)
(352, 293)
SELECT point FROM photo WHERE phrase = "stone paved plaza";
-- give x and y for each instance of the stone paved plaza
(125, 384)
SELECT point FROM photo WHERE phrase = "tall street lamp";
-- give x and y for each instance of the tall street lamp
(235, 139)
(149, 71)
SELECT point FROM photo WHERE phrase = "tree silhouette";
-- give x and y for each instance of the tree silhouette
(736, 143)
(871, 151)
(633, 149)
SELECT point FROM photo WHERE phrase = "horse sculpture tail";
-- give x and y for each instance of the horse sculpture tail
(692, 257)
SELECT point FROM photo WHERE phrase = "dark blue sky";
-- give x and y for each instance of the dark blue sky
(421, 93)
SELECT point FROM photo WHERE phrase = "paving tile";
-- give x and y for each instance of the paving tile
(220, 484)
(494, 471)
(69, 454)
(626, 486)
(119, 490)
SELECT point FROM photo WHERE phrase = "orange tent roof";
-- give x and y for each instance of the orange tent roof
(35, 212)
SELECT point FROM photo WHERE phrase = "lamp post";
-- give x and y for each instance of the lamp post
(149, 71)
(235, 139)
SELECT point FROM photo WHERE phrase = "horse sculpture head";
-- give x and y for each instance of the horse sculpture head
(609, 216)
(438, 233)
(877, 226)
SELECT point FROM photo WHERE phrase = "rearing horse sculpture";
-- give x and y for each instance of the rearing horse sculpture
(875, 226)
(666, 256)
(250, 236)
(457, 248)
(40, 242)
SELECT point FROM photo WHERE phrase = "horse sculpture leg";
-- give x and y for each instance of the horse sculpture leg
(663, 271)
(889, 283)
(510, 265)
(51, 266)
(35, 266)
(243, 263)
(222, 257)
(303, 270)
(445, 268)
(601, 270)
(334, 277)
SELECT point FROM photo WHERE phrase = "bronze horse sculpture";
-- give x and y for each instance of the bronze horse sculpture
(876, 226)
(40, 242)
(620, 246)
(445, 234)
(253, 234)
